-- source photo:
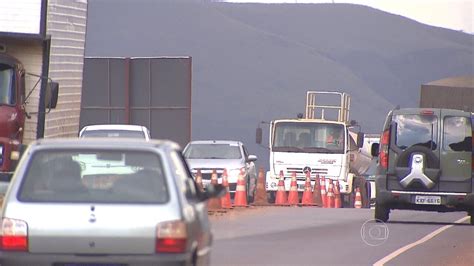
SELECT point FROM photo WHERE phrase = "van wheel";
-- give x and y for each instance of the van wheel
(382, 213)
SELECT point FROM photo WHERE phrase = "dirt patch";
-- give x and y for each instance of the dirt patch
(240, 212)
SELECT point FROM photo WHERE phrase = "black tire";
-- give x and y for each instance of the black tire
(381, 213)
(250, 195)
(271, 196)
(348, 200)
(362, 184)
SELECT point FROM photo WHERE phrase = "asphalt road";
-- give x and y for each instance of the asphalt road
(315, 236)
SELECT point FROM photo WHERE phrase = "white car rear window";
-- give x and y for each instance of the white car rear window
(94, 177)
(212, 151)
(113, 134)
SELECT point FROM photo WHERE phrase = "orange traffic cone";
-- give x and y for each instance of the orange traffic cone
(307, 198)
(293, 198)
(318, 201)
(214, 203)
(358, 199)
(330, 195)
(225, 201)
(337, 195)
(323, 192)
(281, 198)
(199, 180)
(261, 194)
(240, 198)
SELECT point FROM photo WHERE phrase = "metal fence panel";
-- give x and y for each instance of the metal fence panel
(157, 94)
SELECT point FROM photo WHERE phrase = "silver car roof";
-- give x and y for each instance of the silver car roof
(216, 142)
(101, 143)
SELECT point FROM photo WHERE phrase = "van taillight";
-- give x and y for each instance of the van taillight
(171, 237)
(427, 112)
(383, 153)
(13, 235)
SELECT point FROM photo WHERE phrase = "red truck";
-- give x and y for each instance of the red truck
(37, 46)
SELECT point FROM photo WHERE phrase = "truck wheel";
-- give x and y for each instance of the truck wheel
(381, 213)
(348, 200)
(250, 194)
(364, 186)
(271, 197)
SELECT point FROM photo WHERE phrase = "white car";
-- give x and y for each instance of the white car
(115, 131)
(209, 155)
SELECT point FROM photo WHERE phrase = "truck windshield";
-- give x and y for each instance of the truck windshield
(7, 92)
(308, 137)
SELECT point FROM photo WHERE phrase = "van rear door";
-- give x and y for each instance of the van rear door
(456, 152)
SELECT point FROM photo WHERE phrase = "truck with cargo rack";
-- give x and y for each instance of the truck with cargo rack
(323, 142)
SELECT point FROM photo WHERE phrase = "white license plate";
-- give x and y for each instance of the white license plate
(300, 186)
(428, 200)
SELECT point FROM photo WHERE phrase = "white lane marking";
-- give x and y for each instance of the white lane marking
(399, 251)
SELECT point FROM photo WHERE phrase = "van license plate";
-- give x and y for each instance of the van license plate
(428, 200)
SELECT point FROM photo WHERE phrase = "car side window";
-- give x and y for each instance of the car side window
(186, 182)
(457, 135)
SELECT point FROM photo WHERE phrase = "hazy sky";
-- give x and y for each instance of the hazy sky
(452, 14)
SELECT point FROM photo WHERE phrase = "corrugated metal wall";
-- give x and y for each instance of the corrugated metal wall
(66, 24)
(158, 95)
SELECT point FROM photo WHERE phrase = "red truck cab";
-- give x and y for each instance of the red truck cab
(12, 115)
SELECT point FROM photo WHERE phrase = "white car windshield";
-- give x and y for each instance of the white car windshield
(213, 151)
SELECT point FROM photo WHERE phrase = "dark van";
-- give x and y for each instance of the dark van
(425, 162)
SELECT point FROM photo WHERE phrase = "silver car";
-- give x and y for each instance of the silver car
(209, 155)
(102, 203)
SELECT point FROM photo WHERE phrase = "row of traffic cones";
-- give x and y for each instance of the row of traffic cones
(240, 197)
(330, 198)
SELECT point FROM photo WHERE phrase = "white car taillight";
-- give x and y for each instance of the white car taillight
(13, 235)
(171, 237)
